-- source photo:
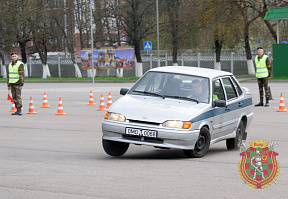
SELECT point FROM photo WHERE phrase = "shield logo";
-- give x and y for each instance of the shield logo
(259, 167)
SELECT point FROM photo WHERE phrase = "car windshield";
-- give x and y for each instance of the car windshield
(170, 85)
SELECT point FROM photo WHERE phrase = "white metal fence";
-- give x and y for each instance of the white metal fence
(231, 60)
(199, 59)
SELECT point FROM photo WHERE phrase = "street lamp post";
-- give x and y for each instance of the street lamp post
(158, 61)
(92, 62)
(65, 28)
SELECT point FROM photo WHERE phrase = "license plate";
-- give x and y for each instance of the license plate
(141, 132)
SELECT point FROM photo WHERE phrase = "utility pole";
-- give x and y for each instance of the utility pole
(65, 28)
(158, 61)
(92, 62)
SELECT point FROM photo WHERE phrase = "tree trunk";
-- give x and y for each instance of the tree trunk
(272, 31)
(42, 51)
(77, 70)
(173, 10)
(23, 51)
(217, 66)
(175, 47)
(24, 57)
(218, 48)
(137, 51)
(3, 67)
(250, 65)
(246, 42)
(139, 69)
(46, 71)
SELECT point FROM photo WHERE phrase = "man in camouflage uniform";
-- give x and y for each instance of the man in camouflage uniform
(263, 72)
(15, 81)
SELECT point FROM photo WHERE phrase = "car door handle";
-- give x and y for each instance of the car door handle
(240, 104)
(227, 108)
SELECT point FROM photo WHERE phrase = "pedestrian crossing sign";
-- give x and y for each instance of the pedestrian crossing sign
(147, 45)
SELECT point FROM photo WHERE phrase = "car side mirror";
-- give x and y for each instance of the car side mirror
(123, 91)
(219, 103)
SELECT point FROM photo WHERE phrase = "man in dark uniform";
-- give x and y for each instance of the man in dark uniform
(15, 81)
(263, 72)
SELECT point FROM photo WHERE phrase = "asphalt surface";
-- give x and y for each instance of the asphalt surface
(45, 155)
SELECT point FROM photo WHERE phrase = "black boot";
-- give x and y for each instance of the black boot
(260, 103)
(19, 110)
(267, 103)
(15, 113)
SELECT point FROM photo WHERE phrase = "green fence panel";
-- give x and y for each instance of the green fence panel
(280, 60)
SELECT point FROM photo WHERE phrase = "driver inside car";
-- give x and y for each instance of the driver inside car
(197, 91)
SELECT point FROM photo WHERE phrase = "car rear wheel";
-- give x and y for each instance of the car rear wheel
(114, 148)
(234, 143)
(201, 146)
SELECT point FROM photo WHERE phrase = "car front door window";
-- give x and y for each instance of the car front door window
(218, 92)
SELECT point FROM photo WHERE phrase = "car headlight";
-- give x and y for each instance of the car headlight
(115, 116)
(177, 124)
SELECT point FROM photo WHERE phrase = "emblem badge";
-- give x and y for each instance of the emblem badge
(259, 167)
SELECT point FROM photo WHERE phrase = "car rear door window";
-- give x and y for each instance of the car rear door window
(229, 88)
(238, 88)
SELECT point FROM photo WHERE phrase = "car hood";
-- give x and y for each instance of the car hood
(155, 109)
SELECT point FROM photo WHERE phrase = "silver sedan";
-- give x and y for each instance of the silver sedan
(179, 107)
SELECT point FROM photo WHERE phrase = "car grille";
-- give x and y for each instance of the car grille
(144, 122)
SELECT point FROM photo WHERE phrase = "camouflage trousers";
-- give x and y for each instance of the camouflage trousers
(263, 82)
(16, 95)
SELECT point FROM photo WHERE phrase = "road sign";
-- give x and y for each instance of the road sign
(148, 45)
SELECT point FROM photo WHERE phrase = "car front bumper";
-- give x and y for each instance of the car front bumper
(166, 137)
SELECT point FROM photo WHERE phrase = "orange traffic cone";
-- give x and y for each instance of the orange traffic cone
(91, 100)
(60, 108)
(13, 108)
(45, 102)
(31, 107)
(102, 104)
(282, 105)
(109, 102)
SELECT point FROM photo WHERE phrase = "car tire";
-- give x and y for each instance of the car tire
(234, 143)
(114, 148)
(201, 146)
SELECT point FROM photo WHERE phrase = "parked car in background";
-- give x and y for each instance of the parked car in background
(179, 107)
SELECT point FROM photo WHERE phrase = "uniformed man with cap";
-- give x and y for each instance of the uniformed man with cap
(263, 72)
(15, 81)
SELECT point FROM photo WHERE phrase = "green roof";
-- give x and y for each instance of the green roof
(277, 13)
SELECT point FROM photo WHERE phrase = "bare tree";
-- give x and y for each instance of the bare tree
(220, 19)
(82, 21)
(262, 8)
(41, 30)
(136, 19)
(173, 7)
(247, 17)
(17, 31)
(65, 25)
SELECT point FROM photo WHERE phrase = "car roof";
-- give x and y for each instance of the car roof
(189, 70)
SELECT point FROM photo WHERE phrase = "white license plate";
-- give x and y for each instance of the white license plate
(141, 132)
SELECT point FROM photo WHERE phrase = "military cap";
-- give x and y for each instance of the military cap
(259, 47)
(13, 53)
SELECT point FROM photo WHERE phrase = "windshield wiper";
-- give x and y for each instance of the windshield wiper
(149, 93)
(183, 98)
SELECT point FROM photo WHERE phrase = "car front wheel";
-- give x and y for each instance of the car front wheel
(201, 146)
(114, 148)
(234, 143)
